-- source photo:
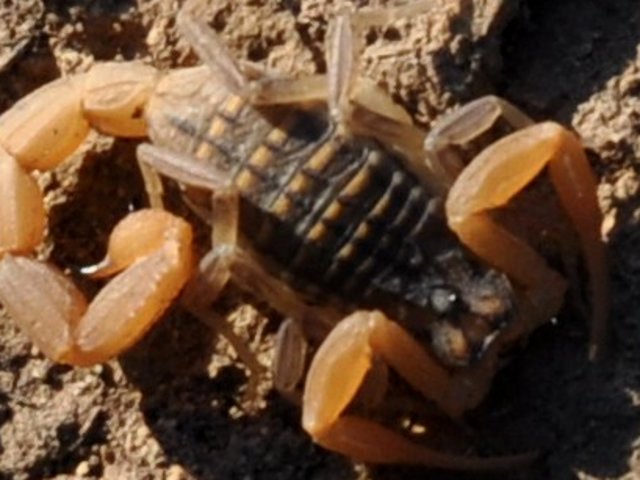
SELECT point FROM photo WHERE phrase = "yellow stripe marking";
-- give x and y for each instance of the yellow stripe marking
(363, 231)
(261, 157)
(231, 107)
(218, 127)
(317, 233)
(381, 207)
(333, 212)
(319, 161)
(358, 184)
(216, 130)
(282, 207)
(278, 135)
(346, 252)
(246, 181)
(204, 151)
(300, 184)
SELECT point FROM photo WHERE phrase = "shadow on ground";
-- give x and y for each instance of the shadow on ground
(558, 54)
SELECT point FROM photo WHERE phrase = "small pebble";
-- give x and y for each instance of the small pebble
(83, 468)
(176, 472)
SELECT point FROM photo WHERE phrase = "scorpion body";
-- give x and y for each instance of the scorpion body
(320, 191)
(347, 222)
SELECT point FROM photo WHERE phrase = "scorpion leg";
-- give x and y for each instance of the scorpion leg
(358, 104)
(267, 90)
(183, 168)
(494, 177)
(338, 371)
(19, 193)
(337, 87)
(228, 262)
(210, 49)
(340, 88)
(151, 248)
(462, 126)
(289, 360)
(345, 90)
(213, 273)
(271, 90)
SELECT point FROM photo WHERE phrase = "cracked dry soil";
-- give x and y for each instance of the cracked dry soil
(172, 408)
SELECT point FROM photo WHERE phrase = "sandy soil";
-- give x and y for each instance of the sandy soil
(173, 408)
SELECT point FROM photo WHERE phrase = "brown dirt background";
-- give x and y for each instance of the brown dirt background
(172, 407)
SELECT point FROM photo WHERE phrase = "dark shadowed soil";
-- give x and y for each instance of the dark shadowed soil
(173, 407)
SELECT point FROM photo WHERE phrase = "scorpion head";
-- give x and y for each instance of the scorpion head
(471, 305)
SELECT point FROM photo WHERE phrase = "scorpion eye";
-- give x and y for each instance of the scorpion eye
(444, 300)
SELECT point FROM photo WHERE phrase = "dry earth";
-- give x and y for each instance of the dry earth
(173, 407)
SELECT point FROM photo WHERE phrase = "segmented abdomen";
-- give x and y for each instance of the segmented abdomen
(334, 215)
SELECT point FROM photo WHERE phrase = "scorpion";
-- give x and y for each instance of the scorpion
(378, 241)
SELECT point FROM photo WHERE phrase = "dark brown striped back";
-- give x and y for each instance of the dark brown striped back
(332, 214)
(341, 219)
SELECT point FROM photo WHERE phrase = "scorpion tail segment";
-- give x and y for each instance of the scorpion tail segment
(336, 374)
(22, 215)
(115, 96)
(46, 126)
(54, 314)
(127, 307)
(44, 303)
(136, 237)
(154, 248)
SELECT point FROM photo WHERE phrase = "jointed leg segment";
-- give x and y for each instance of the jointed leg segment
(227, 262)
(462, 126)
